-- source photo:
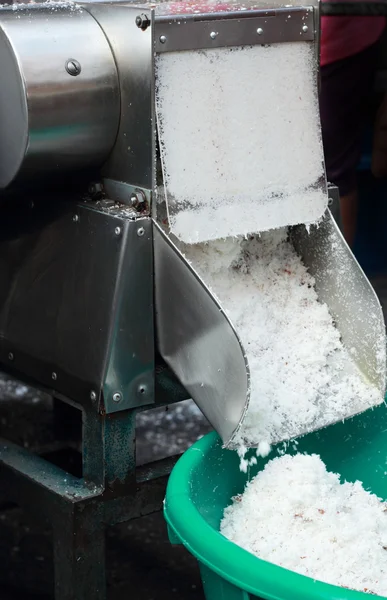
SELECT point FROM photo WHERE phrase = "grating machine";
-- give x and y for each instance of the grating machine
(93, 289)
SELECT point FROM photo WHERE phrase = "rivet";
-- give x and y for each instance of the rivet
(140, 231)
(93, 396)
(73, 67)
(75, 218)
(260, 31)
(117, 397)
(142, 389)
(162, 39)
(305, 28)
(54, 376)
(117, 230)
(10, 356)
(213, 35)
(330, 201)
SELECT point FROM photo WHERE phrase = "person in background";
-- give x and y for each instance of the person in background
(349, 53)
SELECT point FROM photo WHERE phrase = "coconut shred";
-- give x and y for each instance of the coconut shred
(298, 515)
(302, 377)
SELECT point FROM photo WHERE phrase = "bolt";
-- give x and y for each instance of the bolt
(75, 218)
(54, 376)
(140, 231)
(117, 397)
(213, 35)
(137, 198)
(260, 31)
(142, 22)
(117, 230)
(305, 28)
(163, 39)
(73, 67)
(93, 396)
(10, 356)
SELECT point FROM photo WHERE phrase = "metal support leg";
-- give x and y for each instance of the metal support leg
(109, 450)
(111, 491)
(79, 553)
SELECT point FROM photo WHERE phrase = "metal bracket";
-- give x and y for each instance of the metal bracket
(249, 28)
(130, 195)
(129, 378)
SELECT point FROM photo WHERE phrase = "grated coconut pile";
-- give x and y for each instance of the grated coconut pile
(297, 515)
(239, 133)
(302, 378)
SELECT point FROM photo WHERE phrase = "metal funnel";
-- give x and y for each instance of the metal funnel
(200, 344)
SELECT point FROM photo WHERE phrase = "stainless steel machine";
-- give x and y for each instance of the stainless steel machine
(80, 109)
(94, 296)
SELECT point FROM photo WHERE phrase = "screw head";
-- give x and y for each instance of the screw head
(142, 21)
(305, 28)
(162, 39)
(260, 31)
(140, 231)
(213, 35)
(117, 397)
(93, 396)
(54, 376)
(10, 356)
(75, 218)
(117, 230)
(73, 67)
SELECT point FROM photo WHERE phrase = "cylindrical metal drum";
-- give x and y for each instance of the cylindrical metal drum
(59, 91)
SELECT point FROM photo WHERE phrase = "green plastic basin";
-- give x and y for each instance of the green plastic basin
(205, 479)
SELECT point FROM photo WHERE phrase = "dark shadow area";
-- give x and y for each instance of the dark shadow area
(141, 563)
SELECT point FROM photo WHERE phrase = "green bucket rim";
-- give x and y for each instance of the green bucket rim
(229, 561)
